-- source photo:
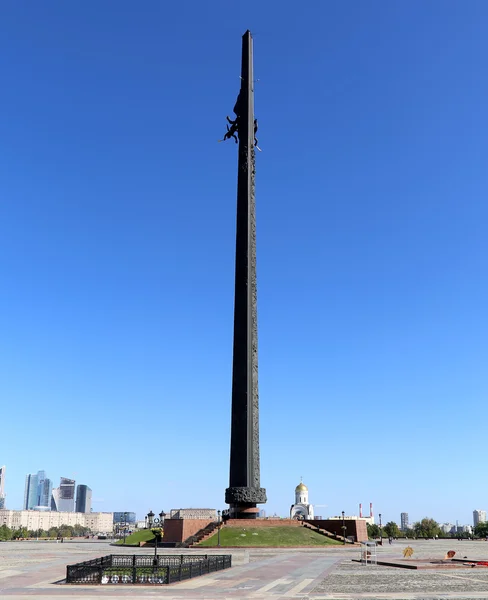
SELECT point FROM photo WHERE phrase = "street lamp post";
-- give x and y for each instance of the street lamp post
(125, 525)
(381, 535)
(156, 522)
(218, 528)
(343, 528)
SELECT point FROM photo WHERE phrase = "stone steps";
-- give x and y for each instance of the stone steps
(328, 534)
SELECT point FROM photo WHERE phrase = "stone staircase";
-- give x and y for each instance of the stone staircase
(328, 534)
(201, 535)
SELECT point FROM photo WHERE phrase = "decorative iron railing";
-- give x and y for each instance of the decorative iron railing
(144, 569)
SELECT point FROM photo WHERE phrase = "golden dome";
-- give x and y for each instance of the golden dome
(301, 487)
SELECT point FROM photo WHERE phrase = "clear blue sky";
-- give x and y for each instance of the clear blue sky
(117, 225)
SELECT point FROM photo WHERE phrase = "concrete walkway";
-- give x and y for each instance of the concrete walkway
(29, 570)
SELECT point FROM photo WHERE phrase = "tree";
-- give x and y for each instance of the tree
(5, 533)
(38, 533)
(20, 533)
(391, 529)
(373, 531)
(426, 528)
(481, 529)
(65, 531)
(53, 532)
(79, 530)
(409, 533)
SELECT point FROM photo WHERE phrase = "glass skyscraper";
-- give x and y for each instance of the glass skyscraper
(38, 490)
(83, 499)
(44, 489)
(31, 491)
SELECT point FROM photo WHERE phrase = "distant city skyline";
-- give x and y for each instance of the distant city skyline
(73, 492)
(39, 494)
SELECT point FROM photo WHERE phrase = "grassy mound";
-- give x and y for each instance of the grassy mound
(269, 536)
(144, 535)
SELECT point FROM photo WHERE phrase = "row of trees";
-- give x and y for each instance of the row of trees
(64, 531)
(481, 529)
(426, 528)
(389, 530)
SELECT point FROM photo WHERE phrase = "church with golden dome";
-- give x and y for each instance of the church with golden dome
(301, 509)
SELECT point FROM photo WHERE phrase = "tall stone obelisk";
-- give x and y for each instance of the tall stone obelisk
(244, 490)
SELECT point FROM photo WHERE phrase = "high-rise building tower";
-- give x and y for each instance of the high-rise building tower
(31, 491)
(37, 490)
(2, 487)
(83, 499)
(479, 516)
(44, 489)
(66, 489)
(55, 499)
(404, 521)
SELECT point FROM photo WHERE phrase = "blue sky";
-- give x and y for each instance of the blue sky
(117, 225)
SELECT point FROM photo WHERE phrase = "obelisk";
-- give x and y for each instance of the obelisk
(244, 490)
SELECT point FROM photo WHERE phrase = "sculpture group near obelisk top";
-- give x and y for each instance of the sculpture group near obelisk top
(245, 491)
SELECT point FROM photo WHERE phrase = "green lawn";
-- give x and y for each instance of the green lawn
(269, 536)
(144, 535)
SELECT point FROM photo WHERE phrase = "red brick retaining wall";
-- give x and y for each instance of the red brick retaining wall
(355, 528)
(178, 530)
(263, 523)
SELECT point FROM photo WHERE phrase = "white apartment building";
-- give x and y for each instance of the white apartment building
(447, 527)
(33, 519)
(479, 516)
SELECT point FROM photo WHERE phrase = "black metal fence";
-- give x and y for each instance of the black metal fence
(144, 569)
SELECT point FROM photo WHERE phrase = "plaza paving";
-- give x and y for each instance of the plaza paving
(30, 570)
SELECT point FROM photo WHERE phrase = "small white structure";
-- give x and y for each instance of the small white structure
(301, 509)
(368, 553)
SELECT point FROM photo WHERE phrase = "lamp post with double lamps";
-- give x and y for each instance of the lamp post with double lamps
(155, 522)
(218, 528)
(343, 528)
(124, 524)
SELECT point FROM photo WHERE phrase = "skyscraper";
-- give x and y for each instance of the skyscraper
(55, 499)
(37, 490)
(2, 487)
(66, 495)
(83, 499)
(404, 521)
(31, 491)
(44, 489)
(479, 516)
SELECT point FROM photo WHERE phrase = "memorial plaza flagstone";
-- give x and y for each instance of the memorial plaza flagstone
(30, 570)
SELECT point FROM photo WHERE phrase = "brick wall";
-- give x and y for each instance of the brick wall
(356, 528)
(263, 523)
(178, 530)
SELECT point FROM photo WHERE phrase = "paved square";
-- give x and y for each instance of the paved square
(30, 570)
